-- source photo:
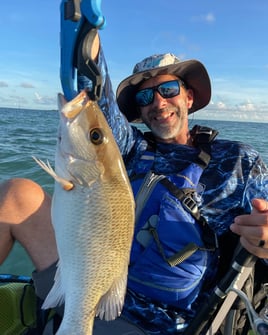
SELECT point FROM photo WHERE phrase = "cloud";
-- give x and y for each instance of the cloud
(26, 85)
(221, 105)
(44, 100)
(244, 111)
(208, 18)
(247, 107)
(3, 84)
(17, 99)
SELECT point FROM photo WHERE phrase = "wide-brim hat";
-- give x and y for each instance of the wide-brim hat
(192, 72)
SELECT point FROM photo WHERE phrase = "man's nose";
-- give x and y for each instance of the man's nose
(159, 100)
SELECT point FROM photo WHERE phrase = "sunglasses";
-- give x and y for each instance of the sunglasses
(168, 89)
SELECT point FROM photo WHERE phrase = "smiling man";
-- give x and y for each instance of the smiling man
(190, 191)
(164, 102)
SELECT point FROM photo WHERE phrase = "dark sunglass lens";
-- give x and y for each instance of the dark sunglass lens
(144, 97)
(169, 89)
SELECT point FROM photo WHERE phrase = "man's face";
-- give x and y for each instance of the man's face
(167, 117)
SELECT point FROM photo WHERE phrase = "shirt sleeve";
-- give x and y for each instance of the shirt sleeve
(257, 182)
(121, 128)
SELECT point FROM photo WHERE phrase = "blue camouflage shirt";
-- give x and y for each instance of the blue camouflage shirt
(235, 175)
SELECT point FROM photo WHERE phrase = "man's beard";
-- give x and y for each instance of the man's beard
(167, 131)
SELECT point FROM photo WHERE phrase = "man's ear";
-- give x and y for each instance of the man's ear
(190, 98)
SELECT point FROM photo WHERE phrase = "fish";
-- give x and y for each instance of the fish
(93, 218)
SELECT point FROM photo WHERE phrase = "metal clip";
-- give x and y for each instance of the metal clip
(190, 205)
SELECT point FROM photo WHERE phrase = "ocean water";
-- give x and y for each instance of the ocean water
(27, 133)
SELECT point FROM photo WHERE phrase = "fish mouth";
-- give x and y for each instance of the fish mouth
(74, 107)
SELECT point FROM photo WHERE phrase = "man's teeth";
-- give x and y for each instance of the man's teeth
(163, 117)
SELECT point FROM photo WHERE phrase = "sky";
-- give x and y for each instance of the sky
(228, 37)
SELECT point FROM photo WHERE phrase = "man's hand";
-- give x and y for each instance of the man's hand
(253, 229)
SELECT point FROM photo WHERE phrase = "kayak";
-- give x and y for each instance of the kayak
(17, 304)
(21, 313)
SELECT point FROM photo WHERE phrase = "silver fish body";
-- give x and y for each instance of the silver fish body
(93, 218)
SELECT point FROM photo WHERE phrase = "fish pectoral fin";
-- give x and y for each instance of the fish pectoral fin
(66, 184)
(111, 303)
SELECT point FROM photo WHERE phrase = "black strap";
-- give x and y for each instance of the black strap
(185, 195)
(151, 143)
(202, 138)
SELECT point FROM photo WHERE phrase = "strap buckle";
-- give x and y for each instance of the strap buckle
(203, 134)
(190, 205)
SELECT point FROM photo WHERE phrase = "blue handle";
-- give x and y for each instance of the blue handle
(73, 14)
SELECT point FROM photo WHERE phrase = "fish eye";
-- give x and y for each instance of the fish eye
(96, 136)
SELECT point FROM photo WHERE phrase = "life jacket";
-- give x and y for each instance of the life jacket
(173, 243)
